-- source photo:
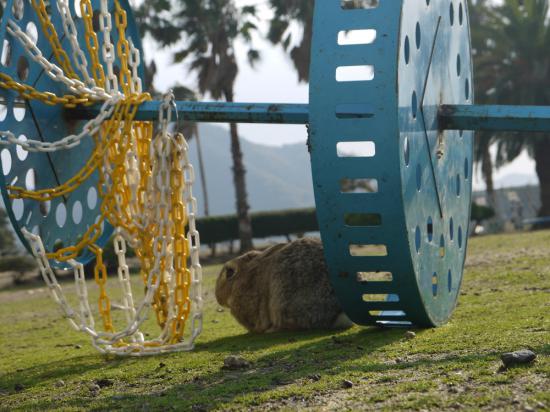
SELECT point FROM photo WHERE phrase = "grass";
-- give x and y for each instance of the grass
(504, 306)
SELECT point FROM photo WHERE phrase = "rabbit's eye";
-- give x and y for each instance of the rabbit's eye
(229, 273)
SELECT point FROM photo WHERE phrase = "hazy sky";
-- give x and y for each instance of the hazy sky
(272, 80)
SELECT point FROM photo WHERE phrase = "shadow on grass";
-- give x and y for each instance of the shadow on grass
(311, 353)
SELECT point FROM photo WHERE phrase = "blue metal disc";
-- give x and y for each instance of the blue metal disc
(64, 220)
(393, 193)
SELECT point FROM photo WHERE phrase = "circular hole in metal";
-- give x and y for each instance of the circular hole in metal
(18, 207)
(77, 212)
(458, 68)
(417, 239)
(30, 179)
(467, 89)
(407, 50)
(3, 110)
(61, 214)
(45, 208)
(414, 104)
(460, 237)
(451, 229)
(460, 14)
(21, 153)
(458, 185)
(449, 281)
(442, 246)
(418, 177)
(77, 9)
(23, 68)
(406, 150)
(18, 9)
(466, 169)
(434, 284)
(32, 32)
(5, 58)
(91, 198)
(5, 155)
(58, 244)
(452, 14)
(19, 109)
(418, 35)
(430, 229)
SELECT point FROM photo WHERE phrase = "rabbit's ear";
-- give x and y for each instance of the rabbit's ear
(230, 273)
(247, 257)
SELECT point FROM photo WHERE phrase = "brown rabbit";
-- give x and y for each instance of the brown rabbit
(285, 287)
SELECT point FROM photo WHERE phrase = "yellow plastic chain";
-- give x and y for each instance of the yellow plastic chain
(91, 42)
(51, 34)
(125, 198)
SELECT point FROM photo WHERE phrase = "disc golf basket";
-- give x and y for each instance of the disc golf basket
(82, 162)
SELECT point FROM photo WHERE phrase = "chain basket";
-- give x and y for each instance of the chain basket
(69, 185)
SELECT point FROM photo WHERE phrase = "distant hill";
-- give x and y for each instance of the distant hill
(277, 177)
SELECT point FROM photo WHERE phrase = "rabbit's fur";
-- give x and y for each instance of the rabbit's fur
(285, 287)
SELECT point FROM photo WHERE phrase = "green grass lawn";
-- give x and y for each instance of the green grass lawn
(504, 306)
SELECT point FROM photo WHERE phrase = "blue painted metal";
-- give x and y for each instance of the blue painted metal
(220, 112)
(449, 116)
(495, 118)
(414, 59)
(414, 110)
(64, 220)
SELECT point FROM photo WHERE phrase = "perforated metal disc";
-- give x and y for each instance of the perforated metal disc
(395, 243)
(64, 220)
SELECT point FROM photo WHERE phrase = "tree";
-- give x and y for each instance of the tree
(512, 67)
(290, 13)
(205, 32)
(483, 140)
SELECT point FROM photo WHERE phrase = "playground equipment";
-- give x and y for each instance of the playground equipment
(395, 77)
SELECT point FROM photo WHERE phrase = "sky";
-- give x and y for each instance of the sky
(274, 80)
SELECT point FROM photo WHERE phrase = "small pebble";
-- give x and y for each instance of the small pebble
(233, 362)
(60, 383)
(93, 387)
(518, 357)
(220, 310)
(78, 346)
(315, 377)
(410, 334)
(346, 384)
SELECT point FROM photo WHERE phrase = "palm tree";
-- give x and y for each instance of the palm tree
(300, 12)
(513, 68)
(190, 130)
(205, 31)
(483, 140)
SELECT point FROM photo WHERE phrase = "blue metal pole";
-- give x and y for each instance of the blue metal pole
(451, 117)
(219, 112)
(495, 118)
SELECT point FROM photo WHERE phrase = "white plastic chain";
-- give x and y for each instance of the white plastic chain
(90, 128)
(159, 187)
(156, 213)
(71, 33)
(52, 70)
